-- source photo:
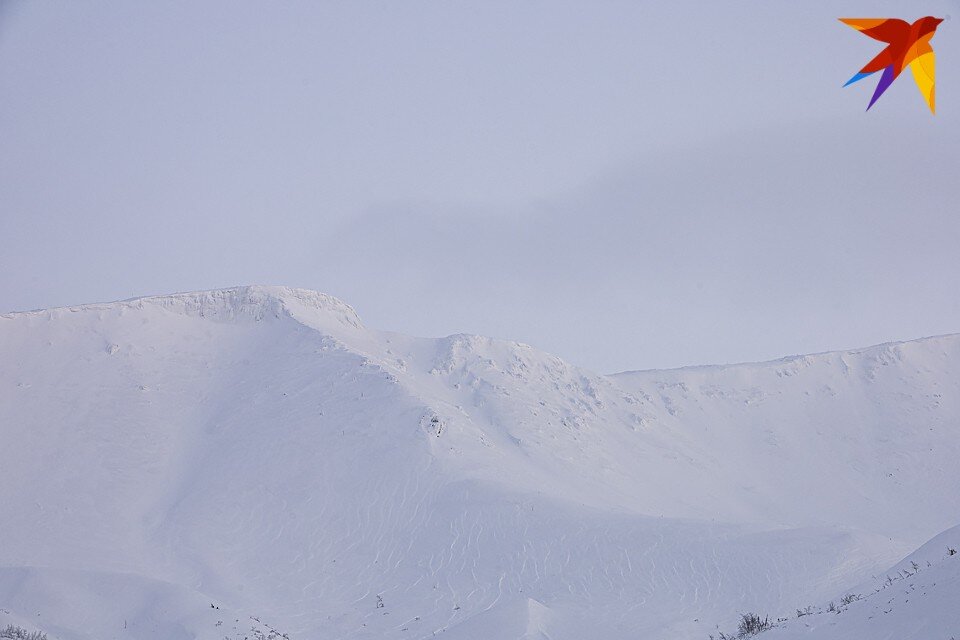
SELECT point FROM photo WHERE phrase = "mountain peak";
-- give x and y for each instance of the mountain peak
(250, 302)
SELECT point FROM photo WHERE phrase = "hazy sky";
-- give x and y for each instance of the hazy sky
(626, 184)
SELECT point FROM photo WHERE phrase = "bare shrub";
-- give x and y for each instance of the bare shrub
(19, 633)
(751, 624)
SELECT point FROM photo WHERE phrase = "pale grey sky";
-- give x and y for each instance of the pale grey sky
(626, 184)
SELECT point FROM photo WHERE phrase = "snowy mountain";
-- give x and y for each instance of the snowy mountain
(223, 463)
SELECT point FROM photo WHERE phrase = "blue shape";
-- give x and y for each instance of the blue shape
(858, 77)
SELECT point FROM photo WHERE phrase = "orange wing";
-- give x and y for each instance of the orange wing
(889, 30)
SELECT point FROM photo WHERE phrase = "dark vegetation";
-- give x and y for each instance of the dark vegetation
(19, 633)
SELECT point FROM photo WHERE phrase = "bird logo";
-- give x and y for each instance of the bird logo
(907, 44)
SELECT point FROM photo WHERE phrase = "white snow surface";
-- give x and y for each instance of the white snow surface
(223, 463)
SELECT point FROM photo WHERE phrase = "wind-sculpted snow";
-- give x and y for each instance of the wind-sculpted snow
(258, 449)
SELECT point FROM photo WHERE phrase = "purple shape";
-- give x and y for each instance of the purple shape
(885, 81)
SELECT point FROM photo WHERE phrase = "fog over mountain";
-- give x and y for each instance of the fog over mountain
(627, 184)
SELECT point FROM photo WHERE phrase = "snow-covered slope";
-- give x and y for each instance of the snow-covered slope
(258, 449)
(914, 600)
(867, 438)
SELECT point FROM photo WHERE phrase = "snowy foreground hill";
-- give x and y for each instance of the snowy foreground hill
(254, 461)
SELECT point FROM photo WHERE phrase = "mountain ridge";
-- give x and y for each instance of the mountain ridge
(272, 299)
